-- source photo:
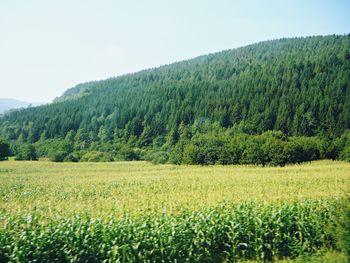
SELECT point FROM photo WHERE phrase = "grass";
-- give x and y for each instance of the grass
(137, 211)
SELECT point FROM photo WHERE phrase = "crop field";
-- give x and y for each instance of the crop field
(140, 212)
(140, 187)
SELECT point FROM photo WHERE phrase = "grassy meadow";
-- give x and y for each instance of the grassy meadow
(140, 212)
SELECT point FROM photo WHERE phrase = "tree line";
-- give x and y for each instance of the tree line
(272, 148)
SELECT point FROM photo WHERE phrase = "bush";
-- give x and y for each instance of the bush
(345, 154)
(160, 157)
(204, 150)
(176, 153)
(128, 153)
(57, 155)
(270, 148)
(4, 149)
(72, 157)
(275, 152)
(253, 152)
(50, 148)
(192, 155)
(96, 156)
(231, 153)
(27, 152)
(304, 149)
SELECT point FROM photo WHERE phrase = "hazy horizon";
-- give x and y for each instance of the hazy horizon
(49, 47)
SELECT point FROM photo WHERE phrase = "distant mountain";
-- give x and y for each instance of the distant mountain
(10, 104)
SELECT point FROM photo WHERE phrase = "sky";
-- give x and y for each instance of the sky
(48, 46)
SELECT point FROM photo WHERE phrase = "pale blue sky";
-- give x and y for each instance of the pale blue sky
(48, 46)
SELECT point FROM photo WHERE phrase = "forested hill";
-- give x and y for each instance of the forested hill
(299, 86)
(76, 92)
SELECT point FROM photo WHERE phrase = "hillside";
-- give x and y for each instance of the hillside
(75, 92)
(298, 86)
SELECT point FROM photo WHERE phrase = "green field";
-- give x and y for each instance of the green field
(140, 187)
(42, 202)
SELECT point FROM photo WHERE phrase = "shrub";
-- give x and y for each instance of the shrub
(253, 152)
(72, 157)
(57, 155)
(44, 148)
(192, 155)
(275, 152)
(270, 148)
(96, 156)
(128, 153)
(342, 146)
(176, 153)
(304, 149)
(345, 154)
(27, 152)
(204, 149)
(4, 149)
(159, 157)
(232, 152)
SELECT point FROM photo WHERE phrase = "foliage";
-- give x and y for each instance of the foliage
(49, 147)
(57, 150)
(72, 157)
(345, 154)
(4, 149)
(224, 233)
(96, 157)
(157, 157)
(27, 152)
(343, 229)
(270, 148)
(342, 146)
(128, 153)
(57, 155)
